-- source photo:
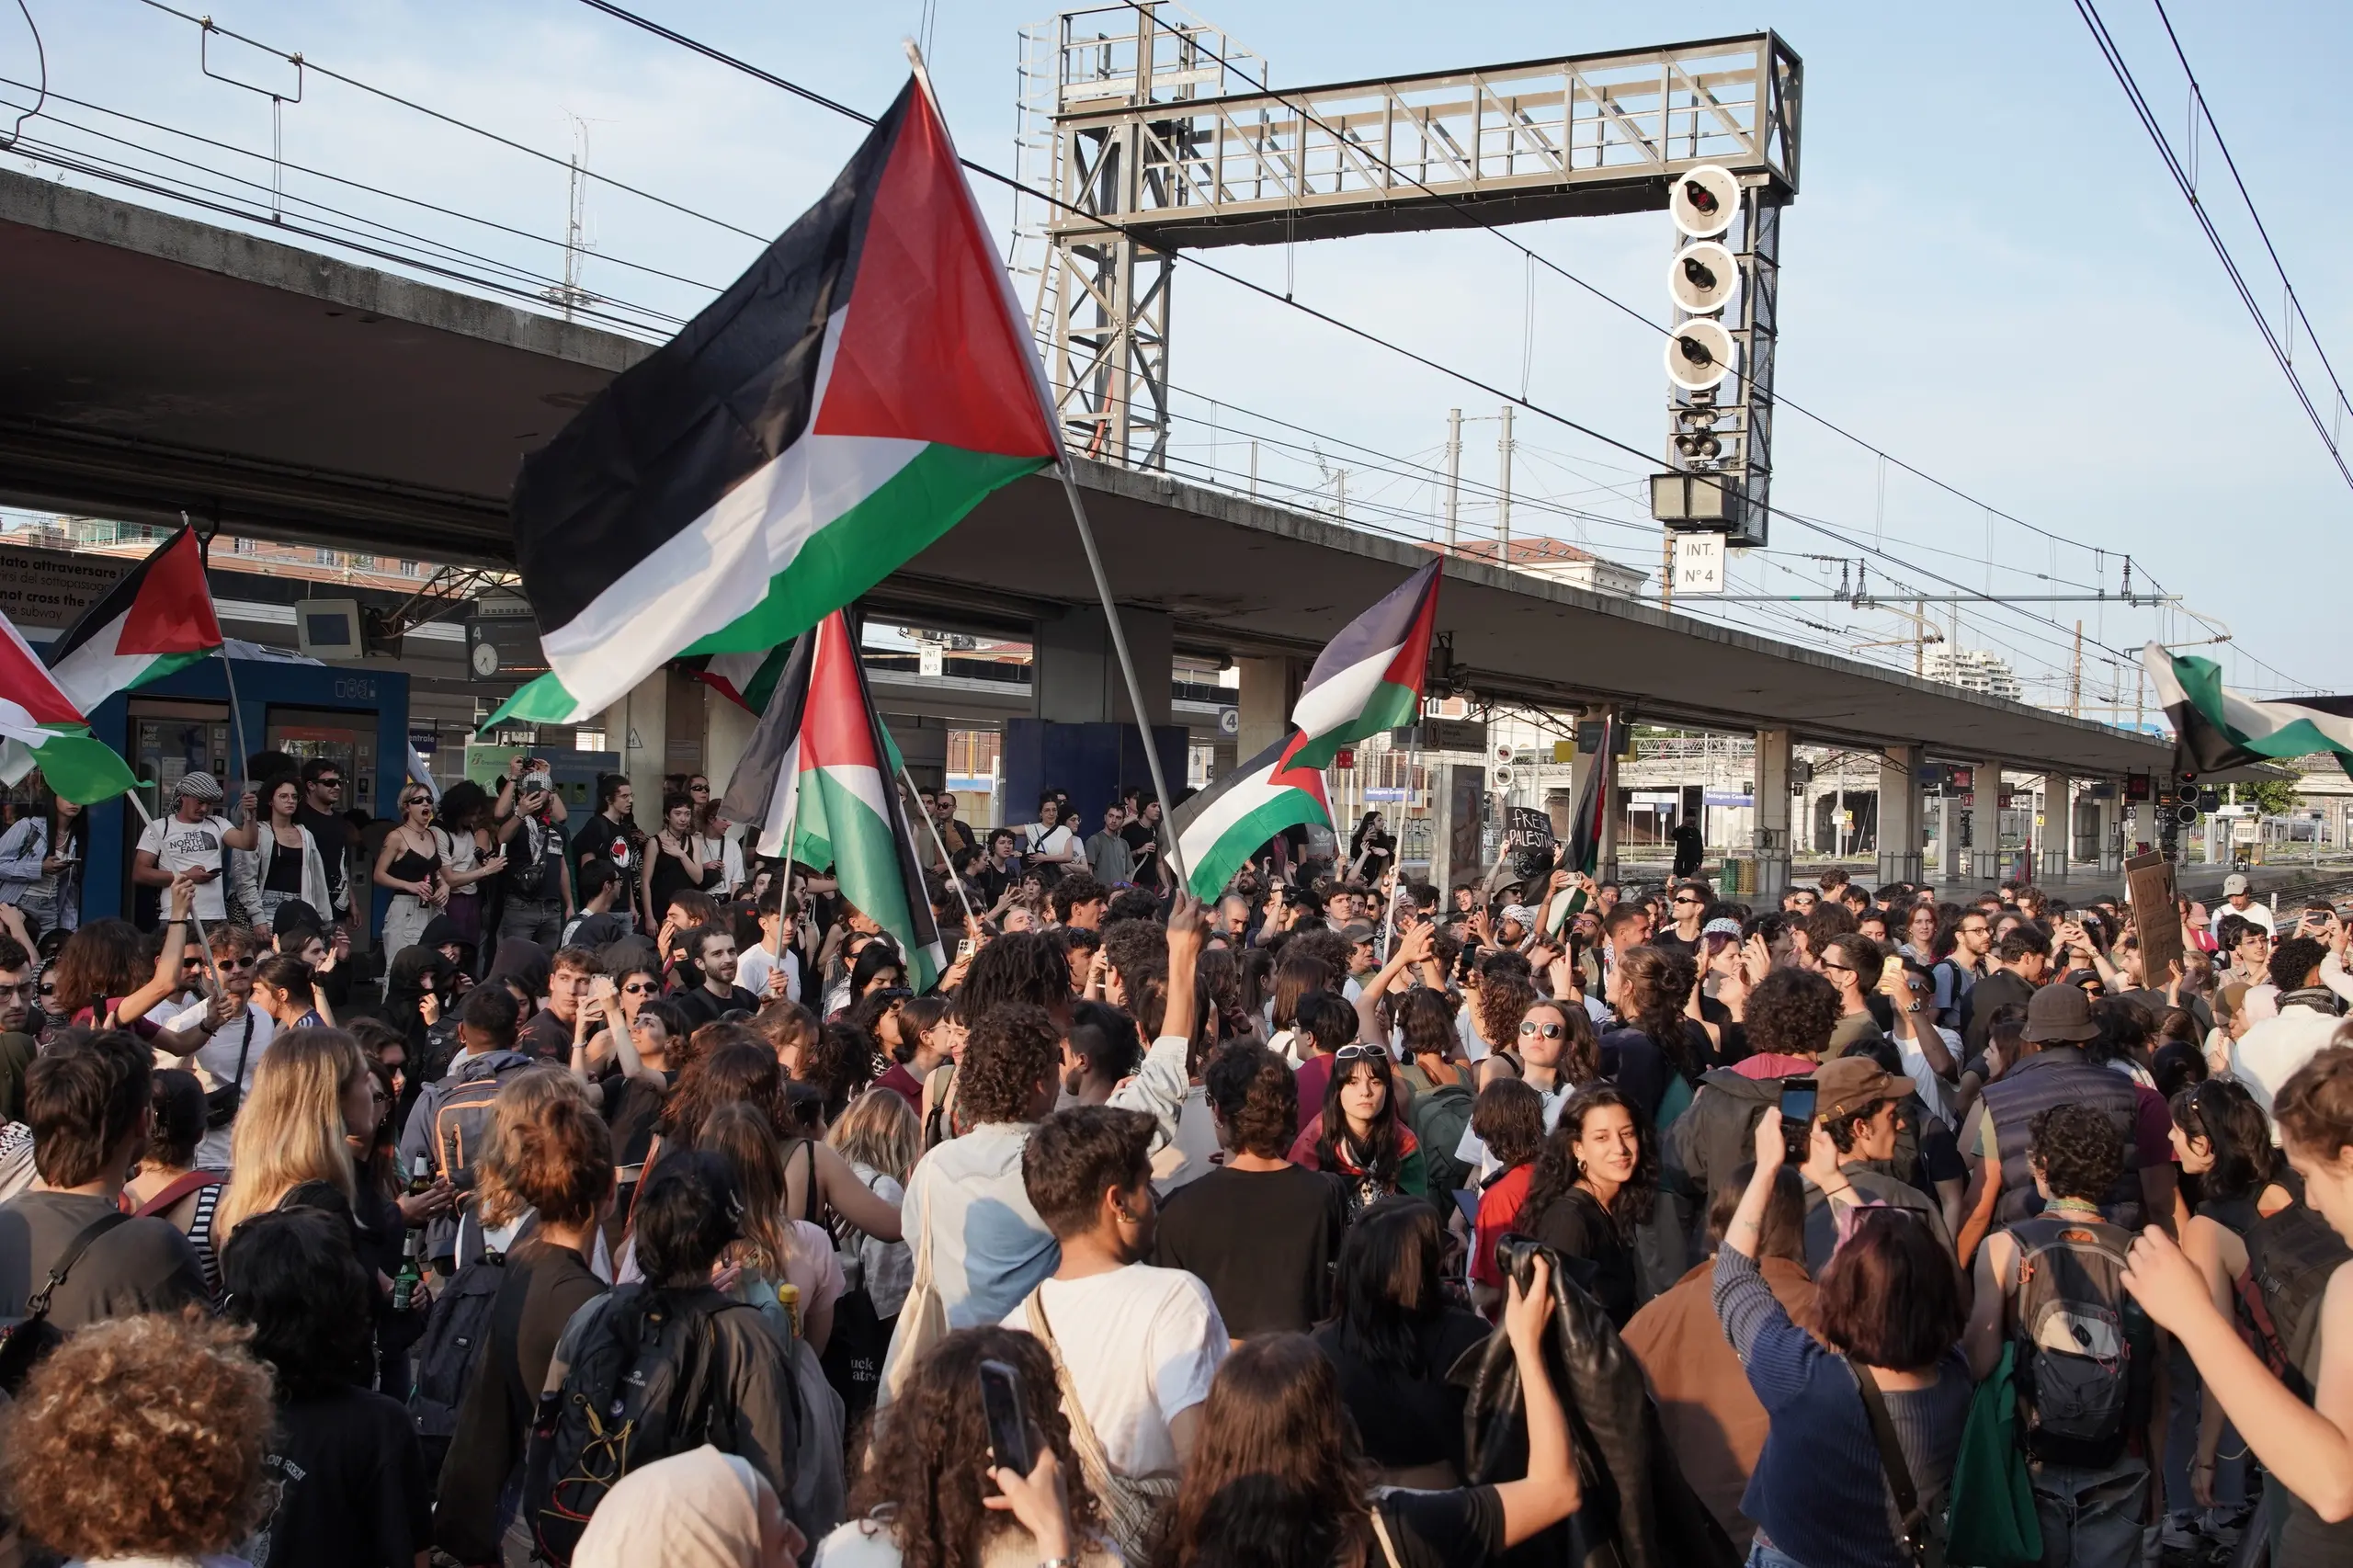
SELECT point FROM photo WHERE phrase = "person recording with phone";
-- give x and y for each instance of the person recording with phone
(537, 879)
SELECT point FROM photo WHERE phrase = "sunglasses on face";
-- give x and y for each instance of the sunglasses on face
(236, 962)
(1686, 901)
(1530, 1026)
(642, 988)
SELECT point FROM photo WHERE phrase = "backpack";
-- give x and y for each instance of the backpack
(2075, 1326)
(26, 1342)
(1440, 1115)
(2290, 1256)
(639, 1389)
(461, 1123)
(456, 1328)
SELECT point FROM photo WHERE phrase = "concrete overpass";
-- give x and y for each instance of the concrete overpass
(156, 365)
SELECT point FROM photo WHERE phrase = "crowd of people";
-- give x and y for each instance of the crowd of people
(629, 1205)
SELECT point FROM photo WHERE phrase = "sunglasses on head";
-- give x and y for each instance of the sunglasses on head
(1532, 1027)
(1358, 1052)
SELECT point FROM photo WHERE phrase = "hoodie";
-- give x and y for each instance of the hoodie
(1713, 1139)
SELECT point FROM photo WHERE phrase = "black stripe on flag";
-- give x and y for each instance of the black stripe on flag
(750, 790)
(671, 434)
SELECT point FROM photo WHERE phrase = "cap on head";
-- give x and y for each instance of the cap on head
(2234, 884)
(1722, 925)
(1847, 1085)
(197, 785)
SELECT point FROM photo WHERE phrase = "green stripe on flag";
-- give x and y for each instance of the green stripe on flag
(1211, 870)
(79, 767)
(1390, 705)
(865, 544)
(541, 701)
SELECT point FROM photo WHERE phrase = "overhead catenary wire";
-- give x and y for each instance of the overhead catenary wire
(41, 53)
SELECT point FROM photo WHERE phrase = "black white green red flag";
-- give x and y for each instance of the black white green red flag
(850, 398)
(1369, 678)
(821, 768)
(1218, 829)
(36, 715)
(2215, 728)
(156, 619)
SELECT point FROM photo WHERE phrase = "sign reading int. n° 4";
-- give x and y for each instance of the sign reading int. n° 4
(1699, 563)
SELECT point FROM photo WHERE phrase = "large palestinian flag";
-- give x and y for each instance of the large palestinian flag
(821, 767)
(853, 395)
(1218, 829)
(2215, 728)
(156, 619)
(1369, 678)
(35, 714)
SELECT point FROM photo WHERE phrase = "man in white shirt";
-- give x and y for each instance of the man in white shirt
(189, 842)
(2273, 1047)
(1141, 1344)
(231, 1051)
(772, 970)
(2243, 903)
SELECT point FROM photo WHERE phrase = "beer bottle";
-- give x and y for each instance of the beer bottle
(411, 1274)
(420, 1175)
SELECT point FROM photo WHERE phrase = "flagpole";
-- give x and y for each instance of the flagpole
(1127, 669)
(938, 843)
(228, 671)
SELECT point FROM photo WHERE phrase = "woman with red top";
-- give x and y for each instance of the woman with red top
(1508, 1118)
(1361, 1136)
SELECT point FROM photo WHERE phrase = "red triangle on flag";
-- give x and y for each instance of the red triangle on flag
(24, 682)
(833, 729)
(173, 613)
(931, 349)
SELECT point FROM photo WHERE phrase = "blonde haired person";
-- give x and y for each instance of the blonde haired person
(312, 1091)
(881, 1139)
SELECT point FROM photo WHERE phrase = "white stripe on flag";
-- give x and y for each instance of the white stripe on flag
(1325, 708)
(1246, 796)
(865, 783)
(780, 813)
(94, 671)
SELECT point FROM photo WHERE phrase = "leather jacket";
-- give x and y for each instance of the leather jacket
(1639, 1511)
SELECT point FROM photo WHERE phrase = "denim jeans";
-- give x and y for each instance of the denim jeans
(2090, 1514)
(1763, 1554)
(537, 920)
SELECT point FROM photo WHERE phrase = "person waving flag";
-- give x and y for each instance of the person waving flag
(846, 402)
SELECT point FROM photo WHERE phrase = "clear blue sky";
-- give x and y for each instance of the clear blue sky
(1987, 271)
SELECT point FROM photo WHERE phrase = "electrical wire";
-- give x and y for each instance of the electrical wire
(41, 53)
(2114, 56)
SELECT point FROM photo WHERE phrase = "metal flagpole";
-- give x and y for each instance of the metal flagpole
(147, 818)
(1128, 669)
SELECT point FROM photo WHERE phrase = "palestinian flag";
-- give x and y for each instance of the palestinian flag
(748, 680)
(156, 619)
(1218, 829)
(852, 396)
(822, 767)
(36, 715)
(2214, 728)
(1369, 678)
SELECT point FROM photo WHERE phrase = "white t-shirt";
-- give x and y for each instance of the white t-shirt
(1141, 1345)
(185, 845)
(218, 1058)
(755, 964)
(2255, 910)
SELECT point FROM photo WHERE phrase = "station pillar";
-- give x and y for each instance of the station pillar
(1901, 821)
(1269, 689)
(1772, 816)
(2054, 839)
(638, 726)
(1077, 672)
(1083, 738)
(2112, 831)
(1985, 822)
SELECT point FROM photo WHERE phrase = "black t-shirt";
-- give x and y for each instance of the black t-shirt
(531, 852)
(609, 840)
(351, 1488)
(1461, 1528)
(1575, 1226)
(1264, 1242)
(701, 1008)
(333, 836)
(1640, 1068)
(1143, 845)
(633, 1111)
(1408, 1417)
(547, 1037)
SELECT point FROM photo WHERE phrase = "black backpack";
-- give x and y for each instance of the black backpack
(2290, 1256)
(639, 1389)
(456, 1328)
(2077, 1373)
